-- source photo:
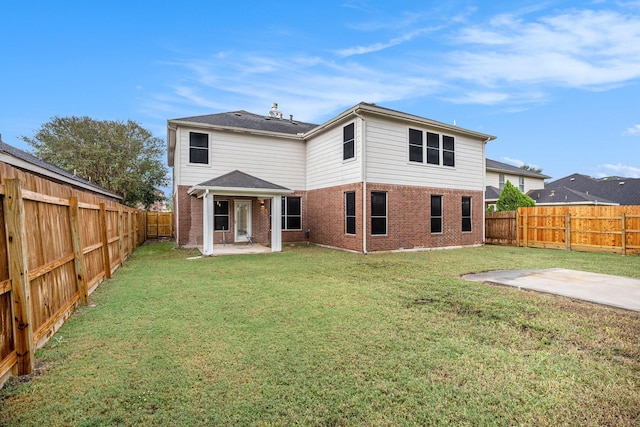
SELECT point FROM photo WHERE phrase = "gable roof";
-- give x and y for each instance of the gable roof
(564, 195)
(624, 191)
(243, 121)
(496, 166)
(26, 161)
(239, 182)
(388, 113)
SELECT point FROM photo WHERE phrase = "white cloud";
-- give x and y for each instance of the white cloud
(570, 50)
(485, 98)
(617, 170)
(360, 50)
(509, 60)
(514, 162)
(309, 87)
(633, 131)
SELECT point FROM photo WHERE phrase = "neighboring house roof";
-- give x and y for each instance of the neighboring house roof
(491, 193)
(496, 166)
(23, 160)
(243, 121)
(564, 195)
(239, 182)
(624, 191)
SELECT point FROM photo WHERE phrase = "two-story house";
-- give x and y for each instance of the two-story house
(369, 179)
(498, 173)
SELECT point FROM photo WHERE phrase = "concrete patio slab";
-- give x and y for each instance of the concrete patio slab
(604, 289)
(238, 249)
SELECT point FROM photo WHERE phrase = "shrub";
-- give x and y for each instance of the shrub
(511, 199)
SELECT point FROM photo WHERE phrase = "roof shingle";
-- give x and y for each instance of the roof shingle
(245, 120)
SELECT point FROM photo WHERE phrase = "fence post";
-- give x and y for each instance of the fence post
(78, 255)
(567, 232)
(518, 232)
(106, 258)
(623, 227)
(121, 235)
(131, 235)
(19, 273)
(525, 229)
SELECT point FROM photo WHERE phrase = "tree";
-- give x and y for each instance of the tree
(122, 157)
(511, 199)
(531, 168)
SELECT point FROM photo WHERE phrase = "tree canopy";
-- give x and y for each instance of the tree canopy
(511, 198)
(122, 157)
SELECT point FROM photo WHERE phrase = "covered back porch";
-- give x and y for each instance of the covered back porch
(240, 210)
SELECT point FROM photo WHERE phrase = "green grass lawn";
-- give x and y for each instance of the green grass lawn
(312, 336)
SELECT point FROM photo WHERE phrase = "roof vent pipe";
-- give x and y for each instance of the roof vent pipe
(274, 111)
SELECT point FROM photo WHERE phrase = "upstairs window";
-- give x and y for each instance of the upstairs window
(439, 151)
(378, 212)
(466, 213)
(433, 148)
(198, 148)
(221, 215)
(448, 152)
(416, 146)
(521, 184)
(291, 213)
(350, 212)
(501, 181)
(348, 142)
(436, 214)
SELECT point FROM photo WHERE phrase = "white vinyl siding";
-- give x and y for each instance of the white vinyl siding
(387, 159)
(279, 161)
(325, 164)
(530, 183)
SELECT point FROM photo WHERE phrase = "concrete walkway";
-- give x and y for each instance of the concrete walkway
(604, 289)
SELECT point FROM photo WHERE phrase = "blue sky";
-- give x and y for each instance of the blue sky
(558, 82)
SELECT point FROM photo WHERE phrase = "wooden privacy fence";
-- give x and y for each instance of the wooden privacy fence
(159, 224)
(501, 228)
(55, 250)
(579, 228)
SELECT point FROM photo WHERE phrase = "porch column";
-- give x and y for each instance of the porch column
(207, 223)
(276, 224)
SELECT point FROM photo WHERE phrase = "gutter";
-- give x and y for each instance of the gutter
(484, 188)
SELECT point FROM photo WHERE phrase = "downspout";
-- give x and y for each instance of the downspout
(484, 188)
(364, 182)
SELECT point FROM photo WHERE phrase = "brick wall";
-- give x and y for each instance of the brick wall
(326, 219)
(296, 236)
(409, 218)
(184, 219)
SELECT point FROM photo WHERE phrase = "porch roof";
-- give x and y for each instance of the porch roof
(239, 183)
